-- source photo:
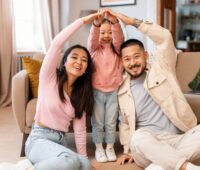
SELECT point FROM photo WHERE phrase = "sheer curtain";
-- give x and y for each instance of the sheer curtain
(7, 51)
(50, 14)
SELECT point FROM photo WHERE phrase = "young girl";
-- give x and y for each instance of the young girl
(104, 42)
(64, 95)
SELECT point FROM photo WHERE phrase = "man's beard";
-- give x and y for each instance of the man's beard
(137, 75)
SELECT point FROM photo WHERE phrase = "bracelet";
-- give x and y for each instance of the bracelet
(137, 23)
(96, 25)
(114, 22)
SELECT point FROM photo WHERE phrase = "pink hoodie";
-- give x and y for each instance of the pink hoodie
(107, 74)
(51, 111)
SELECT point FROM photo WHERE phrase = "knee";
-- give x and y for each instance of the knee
(69, 162)
(85, 164)
(140, 135)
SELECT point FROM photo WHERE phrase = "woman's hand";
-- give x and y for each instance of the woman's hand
(90, 18)
(125, 158)
(95, 165)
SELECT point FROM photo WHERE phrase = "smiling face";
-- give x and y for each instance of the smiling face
(134, 60)
(76, 63)
(105, 36)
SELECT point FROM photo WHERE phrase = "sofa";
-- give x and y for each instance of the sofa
(188, 64)
(24, 105)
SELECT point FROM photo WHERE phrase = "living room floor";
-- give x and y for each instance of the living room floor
(11, 138)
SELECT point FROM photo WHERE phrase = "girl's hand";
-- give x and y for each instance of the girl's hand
(97, 22)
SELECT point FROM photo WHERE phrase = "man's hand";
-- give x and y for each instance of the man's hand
(125, 19)
(113, 19)
(125, 158)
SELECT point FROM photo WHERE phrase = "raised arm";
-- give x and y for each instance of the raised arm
(117, 33)
(93, 39)
(50, 62)
(159, 35)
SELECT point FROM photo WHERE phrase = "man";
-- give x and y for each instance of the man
(156, 122)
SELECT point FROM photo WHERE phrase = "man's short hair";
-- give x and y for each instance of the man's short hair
(131, 42)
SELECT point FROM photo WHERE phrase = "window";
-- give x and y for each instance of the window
(27, 25)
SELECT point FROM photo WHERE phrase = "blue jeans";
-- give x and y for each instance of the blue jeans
(104, 117)
(45, 149)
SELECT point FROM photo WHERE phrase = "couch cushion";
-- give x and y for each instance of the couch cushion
(188, 64)
(32, 67)
(30, 112)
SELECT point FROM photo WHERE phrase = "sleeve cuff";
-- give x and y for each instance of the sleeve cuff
(126, 149)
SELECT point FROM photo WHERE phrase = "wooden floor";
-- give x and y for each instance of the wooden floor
(10, 136)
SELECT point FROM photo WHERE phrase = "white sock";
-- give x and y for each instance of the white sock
(109, 146)
(99, 146)
(191, 166)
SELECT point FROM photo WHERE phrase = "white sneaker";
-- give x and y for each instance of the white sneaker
(100, 155)
(110, 152)
(21, 165)
(24, 165)
(154, 167)
(191, 166)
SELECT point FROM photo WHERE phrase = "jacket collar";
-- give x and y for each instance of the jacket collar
(125, 86)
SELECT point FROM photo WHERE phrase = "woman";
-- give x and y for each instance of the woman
(64, 94)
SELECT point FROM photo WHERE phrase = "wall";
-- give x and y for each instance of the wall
(142, 10)
(65, 14)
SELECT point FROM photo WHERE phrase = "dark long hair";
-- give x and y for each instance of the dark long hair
(82, 97)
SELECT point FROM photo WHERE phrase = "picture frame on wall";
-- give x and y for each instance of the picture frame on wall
(106, 3)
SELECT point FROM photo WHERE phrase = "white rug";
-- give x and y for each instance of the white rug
(21, 165)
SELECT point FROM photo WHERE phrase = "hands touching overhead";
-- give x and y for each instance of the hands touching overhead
(112, 16)
(98, 17)
(90, 18)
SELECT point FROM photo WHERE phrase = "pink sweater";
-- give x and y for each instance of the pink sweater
(107, 74)
(51, 111)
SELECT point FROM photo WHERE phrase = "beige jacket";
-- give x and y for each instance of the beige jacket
(160, 83)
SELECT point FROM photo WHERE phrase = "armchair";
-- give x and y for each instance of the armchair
(23, 104)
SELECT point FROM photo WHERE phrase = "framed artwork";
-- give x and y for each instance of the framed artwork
(106, 3)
